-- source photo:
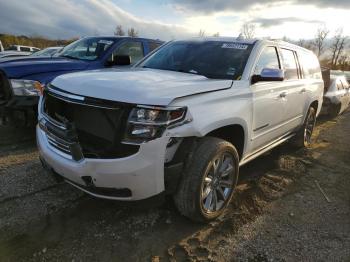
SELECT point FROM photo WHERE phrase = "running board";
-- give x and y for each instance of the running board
(263, 150)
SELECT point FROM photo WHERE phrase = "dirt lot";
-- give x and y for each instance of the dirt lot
(278, 213)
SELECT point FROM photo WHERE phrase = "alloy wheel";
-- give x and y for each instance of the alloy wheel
(218, 183)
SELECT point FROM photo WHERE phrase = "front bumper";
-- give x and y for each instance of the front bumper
(141, 173)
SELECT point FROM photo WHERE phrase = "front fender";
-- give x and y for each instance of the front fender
(209, 112)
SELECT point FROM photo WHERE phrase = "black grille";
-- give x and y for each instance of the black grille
(5, 90)
(92, 127)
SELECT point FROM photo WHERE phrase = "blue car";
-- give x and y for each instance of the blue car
(23, 79)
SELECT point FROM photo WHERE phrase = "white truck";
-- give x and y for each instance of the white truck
(182, 121)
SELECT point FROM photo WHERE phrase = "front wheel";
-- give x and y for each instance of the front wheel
(208, 183)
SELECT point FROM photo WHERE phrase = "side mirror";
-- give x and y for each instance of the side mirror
(119, 60)
(268, 74)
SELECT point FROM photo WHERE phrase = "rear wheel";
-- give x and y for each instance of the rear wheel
(208, 183)
(303, 137)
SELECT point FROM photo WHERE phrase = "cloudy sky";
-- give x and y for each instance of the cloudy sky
(168, 19)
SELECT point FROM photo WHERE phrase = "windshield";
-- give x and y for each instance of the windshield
(46, 52)
(87, 48)
(213, 59)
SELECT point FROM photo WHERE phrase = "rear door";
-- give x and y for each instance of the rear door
(295, 89)
(268, 105)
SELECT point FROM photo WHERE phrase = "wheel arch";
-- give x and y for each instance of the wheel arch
(314, 104)
(233, 133)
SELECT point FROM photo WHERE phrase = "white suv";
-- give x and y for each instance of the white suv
(182, 121)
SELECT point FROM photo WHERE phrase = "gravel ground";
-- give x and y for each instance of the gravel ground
(277, 214)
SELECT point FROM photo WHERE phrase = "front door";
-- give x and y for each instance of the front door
(268, 102)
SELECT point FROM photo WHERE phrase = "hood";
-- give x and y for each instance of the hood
(23, 66)
(138, 86)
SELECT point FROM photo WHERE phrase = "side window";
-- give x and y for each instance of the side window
(289, 64)
(153, 45)
(345, 84)
(339, 85)
(132, 48)
(310, 65)
(25, 49)
(267, 59)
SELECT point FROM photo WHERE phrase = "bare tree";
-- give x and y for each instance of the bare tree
(119, 31)
(319, 43)
(132, 32)
(304, 43)
(248, 30)
(344, 62)
(201, 33)
(217, 34)
(337, 46)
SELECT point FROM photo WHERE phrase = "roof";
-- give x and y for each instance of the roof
(244, 41)
(220, 39)
(123, 37)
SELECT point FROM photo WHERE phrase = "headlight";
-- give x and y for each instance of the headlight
(22, 87)
(147, 123)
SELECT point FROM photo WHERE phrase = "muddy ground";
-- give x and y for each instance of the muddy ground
(278, 213)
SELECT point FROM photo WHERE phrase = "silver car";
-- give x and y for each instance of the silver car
(337, 96)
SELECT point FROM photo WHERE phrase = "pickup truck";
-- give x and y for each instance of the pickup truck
(22, 79)
(182, 121)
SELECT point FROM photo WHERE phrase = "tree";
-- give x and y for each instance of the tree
(319, 43)
(337, 46)
(119, 31)
(304, 43)
(248, 30)
(201, 33)
(344, 62)
(216, 34)
(132, 32)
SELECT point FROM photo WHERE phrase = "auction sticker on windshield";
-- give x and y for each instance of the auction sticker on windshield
(234, 46)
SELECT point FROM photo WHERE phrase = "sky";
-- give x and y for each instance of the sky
(171, 19)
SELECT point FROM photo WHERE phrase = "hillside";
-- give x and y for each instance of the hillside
(36, 41)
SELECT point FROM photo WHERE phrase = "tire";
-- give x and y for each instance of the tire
(200, 179)
(303, 138)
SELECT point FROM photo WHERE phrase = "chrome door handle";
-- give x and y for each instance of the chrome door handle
(283, 94)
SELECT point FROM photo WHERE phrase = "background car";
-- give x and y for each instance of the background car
(23, 48)
(336, 97)
(23, 79)
(336, 73)
(17, 51)
(9, 54)
(47, 52)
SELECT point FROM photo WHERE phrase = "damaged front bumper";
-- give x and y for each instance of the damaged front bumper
(135, 177)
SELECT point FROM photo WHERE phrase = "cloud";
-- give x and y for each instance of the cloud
(75, 18)
(213, 6)
(269, 22)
